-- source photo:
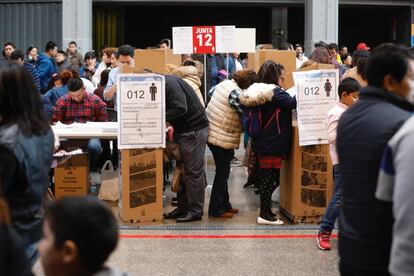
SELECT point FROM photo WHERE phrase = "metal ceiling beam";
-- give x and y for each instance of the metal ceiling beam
(287, 2)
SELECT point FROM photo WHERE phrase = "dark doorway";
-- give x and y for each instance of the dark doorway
(296, 25)
(143, 25)
(374, 25)
(370, 24)
(146, 25)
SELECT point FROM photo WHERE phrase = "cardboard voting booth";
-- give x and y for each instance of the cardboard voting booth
(72, 177)
(155, 59)
(306, 182)
(141, 137)
(315, 66)
(286, 58)
(141, 185)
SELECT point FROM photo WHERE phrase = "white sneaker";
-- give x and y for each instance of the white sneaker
(263, 221)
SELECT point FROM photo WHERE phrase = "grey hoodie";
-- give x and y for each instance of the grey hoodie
(396, 184)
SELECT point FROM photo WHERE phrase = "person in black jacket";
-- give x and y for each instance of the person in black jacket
(186, 114)
(365, 231)
(26, 149)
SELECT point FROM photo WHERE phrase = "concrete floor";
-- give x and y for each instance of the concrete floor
(236, 246)
(215, 256)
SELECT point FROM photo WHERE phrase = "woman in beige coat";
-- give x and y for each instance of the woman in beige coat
(191, 72)
(224, 116)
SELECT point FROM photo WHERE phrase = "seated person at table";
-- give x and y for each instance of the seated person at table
(79, 106)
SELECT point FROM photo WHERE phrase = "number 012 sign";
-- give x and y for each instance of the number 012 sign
(141, 111)
(316, 94)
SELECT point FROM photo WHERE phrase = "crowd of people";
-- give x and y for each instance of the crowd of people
(370, 123)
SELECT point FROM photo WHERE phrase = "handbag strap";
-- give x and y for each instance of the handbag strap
(109, 164)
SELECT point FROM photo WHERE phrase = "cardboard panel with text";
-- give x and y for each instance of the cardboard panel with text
(72, 177)
(306, 182)
(141, 185)
(286, 58)
(155, 59)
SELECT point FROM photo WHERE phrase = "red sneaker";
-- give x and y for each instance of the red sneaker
(324, 240)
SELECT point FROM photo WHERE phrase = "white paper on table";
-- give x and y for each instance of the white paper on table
(92, 128)
(66, 154)
(61, 125)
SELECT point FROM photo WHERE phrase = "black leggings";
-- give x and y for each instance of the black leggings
(268, 180)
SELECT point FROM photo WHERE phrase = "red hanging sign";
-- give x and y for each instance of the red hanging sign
(204, 39)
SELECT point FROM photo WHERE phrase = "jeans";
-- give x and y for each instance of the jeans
(193, 183)
(94, 151)
(219, 199)
(332, 211)
(32, 253)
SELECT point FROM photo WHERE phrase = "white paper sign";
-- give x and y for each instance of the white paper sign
(316, 94)
(245, 40)
(182, 40)
(141, 111)
(225, 39)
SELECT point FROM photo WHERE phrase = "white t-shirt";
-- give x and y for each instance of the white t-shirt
(239, 66)
(88, 85)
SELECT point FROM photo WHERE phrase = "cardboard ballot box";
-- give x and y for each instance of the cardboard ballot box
(306, 182)
(155, 59)
(141, 185)
(72, 177)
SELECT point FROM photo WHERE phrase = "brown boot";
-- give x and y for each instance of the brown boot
(233, 210)
(224, 215)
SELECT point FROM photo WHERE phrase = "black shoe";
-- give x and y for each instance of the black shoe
(188, 218)
(174, 203)
(174, 214)
(248, 184)
(235, 162)
(268, 215)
